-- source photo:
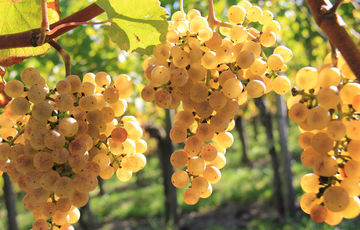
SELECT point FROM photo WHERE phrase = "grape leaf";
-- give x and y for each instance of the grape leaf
(136, 25)
(19, 16)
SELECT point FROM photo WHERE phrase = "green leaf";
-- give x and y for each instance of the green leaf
(19, 16)
(136, 25)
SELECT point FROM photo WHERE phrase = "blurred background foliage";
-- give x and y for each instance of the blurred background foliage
(244, 194)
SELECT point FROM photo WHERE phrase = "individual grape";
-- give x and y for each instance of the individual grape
(129, 146)
(40, 224)
(284, 52)
(75, 83)
(212, 174)
(336, 198)
(19, 106)
(162, 51)
(253, 47)
(268, 39)
(119, 107)
(68, 126)
(333, 218)
(329, 76)
(184, 118)
(209, 60)
(246, 4)
(205, 132)
(111, 95)
(88, 88)
(220, 161)
(199, 92)
(30, 76)
(322, 143)
(258, 67)
(352, 129)
(245, 59)
(196, 166)
(208, 152)
(219, 122)
(273, 26)
(318, 118)
(255, 88)
(180, 179)
(254, 13)
(197, 23)
(336, 130)
(205, 34)
(36, 94)
(352, 169)
(179, 159)
(63, 86)
(307, 201)
(42, 111)
(123, 175)
(310, 183)
(102, 79)
(275, 62)
(351, 185)
(163, 98)
(88, 103)
(298, 112)
(107, 173)
(14, 88)
(318, 213)
(348, 92)
(193, 146)
(307, 78)
(224, 139)
(328, 97)
(64, 102)
(236, 14)
(190, 196)
(281, 85)
(217, 100)
(353, 208)
(238, 34)
(54, 140)
(325, 166)
(199, 185)
(182, 59)
(308, 157)
(178, 134)
(179, 77)
(79, 199)
(232, 88)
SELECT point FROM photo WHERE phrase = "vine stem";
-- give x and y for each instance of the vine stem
(182, 8)
(44, 24)
(211, 16)
(65, 56)
(336, 33)
(213, 22)
(24, 39)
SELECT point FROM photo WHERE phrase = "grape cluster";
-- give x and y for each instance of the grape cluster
(208, 74)
(326, 107)
(55, 143)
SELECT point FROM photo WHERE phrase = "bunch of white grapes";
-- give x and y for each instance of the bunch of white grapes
(208, 74)
(326, 107)
(55, 143)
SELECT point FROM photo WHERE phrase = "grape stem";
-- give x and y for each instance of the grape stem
(336, 32)
(44, 24)
(213, 22)
(65, 56)
(182, 8)
(26, 38)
